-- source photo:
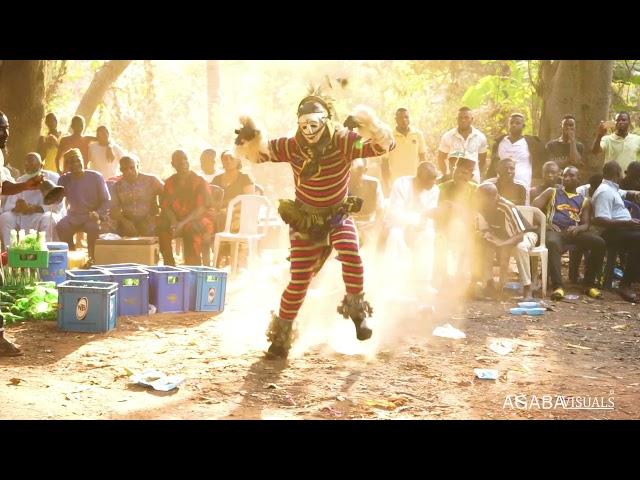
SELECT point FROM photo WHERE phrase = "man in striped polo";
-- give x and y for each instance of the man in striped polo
(504, 229)
(320, 155)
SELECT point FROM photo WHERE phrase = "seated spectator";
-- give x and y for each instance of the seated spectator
(451, 162)
(454, 221)
(616, 226)
(369, 189)
(134, 200)
(505, 231)
(234, 183)
(569, 219)
(87, 201)
(208, 164)
(27, 210)
(186, 213)
(232, 180)
(631, 180)
(550, 178)
(104, 154)
(508, 187)
(412, 206)
(459, 189)
(588, 190)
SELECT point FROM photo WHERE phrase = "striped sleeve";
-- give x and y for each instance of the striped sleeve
(282, 149)
(522, 224)
(354, 146)
(515, 221)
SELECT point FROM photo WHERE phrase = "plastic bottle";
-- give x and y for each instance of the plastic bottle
(14, 238)
(43, 240)
(21, 235)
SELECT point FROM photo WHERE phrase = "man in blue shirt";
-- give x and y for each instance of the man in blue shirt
(88, 201)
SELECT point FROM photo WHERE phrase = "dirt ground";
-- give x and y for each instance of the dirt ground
(585, 349)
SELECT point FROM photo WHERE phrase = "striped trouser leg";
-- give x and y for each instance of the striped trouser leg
(345, 240)
(304, 255)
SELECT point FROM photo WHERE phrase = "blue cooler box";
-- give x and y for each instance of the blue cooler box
(58, 263)
(133, 290)
(206, 288)
(119, 265)
(168, 288)
(93, 274)
(87, 306)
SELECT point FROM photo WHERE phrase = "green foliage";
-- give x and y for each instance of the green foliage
(156, 107)
(507, 90)
(626, 86)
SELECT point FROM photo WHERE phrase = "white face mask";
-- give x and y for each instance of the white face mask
(312, 125)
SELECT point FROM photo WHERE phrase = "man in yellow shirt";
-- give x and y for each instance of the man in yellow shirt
(410, 150)
(620, 146)
(48, 144)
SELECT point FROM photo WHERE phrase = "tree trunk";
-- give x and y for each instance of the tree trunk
(22, 100)
(102, 80)
(213, 94)
(581, 88)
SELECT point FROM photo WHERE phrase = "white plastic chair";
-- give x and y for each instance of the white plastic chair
(533, 215)
(250, 208)
(276, 232)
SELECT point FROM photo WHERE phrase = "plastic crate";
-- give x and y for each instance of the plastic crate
(19, 258)
(94, 274)
(168, 288)
(87, 306)
(120, 265)
(133, 290)
(206, 288)
(58, 263)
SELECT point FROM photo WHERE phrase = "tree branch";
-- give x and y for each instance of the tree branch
(101, 82)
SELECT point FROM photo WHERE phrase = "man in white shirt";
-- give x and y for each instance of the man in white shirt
(527, 152)
(617, 227)
(410, 150)
(27, 210)
(412, 206)
(465, 138)
(8, 349)
(104, 154)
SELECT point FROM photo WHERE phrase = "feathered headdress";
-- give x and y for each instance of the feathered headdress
(320, 94)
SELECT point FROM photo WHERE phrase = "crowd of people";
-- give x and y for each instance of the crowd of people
(462, 208)
(427, 204)
(469, 210)
(460, 205)
(106, 192)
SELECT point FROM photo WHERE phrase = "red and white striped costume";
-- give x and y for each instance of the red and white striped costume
(327, 188)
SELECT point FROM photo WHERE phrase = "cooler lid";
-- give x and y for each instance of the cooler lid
(129, 241)
(57, 246)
